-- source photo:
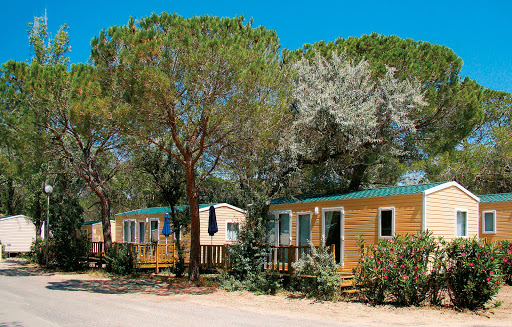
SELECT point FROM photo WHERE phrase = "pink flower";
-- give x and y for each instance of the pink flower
(463, 253)
(415, 277)
(421, 248)
(385, 277)
(492, 272)
(403, 266)
(471, 264)
(492, 258)
(404, 277)
(362, 259)
(374, 269)
(509, 251)
(462, 245)
(469, 282)
(394, 266)
(488, 278)
(416, 267)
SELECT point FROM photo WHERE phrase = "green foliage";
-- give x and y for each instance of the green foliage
(119, 259)
(38, 251)
(472, 273)
(504, 250)
(398, 267)
(69, 247)
(411, 269)
(450, 99)
(248, 256)
(316, 275)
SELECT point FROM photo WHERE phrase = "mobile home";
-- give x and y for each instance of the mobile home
(445, 209)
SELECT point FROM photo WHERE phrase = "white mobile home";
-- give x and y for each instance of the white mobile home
(17, 233)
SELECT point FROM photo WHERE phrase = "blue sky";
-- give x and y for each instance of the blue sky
(480, 32)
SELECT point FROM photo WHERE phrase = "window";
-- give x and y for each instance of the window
(386, 222)
(232, 230)
(489, 222)
(154, 231)
(279, 226)
(129, 231)
(462, 223)
(303, 229)
(142, 232)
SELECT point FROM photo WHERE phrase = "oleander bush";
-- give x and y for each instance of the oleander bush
(315, 274)
(409, 270)
(472, 273)
(504, 249)
(396, 268)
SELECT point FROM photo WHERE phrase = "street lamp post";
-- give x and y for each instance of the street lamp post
(47, 189)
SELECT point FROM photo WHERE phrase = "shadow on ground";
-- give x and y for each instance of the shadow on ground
(21, 268)
(128, 286)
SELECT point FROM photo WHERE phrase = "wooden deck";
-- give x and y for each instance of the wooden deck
(158, 256)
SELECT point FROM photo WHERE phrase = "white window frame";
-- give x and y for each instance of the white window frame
(232, 222)
(392, 209)
(467, 221)
(297, 227)
(124, 236)
(342, 231)
(150, 240)
(276, 224)
(138, 230)
(483, 221)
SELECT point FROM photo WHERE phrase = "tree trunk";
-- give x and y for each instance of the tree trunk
(195, 244)
(358, 175)
(105, 220)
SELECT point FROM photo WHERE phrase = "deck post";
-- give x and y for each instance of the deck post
(156, 258)
(291, 258)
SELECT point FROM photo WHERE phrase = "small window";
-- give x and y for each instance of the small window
(232, 230)
(489, 222)
(154, 231)
(386, 222)
(462, 223)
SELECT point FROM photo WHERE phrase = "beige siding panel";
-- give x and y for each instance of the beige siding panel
(17, 233)
(87, 229)
(503, 220)
(223, 215)
(441, 212)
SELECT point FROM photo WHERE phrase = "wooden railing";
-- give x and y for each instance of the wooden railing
(157, 256)
(96, 251)
(214, 256)
(152, 255)
(281, 257)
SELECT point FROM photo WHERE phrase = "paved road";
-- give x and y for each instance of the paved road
(29, 298)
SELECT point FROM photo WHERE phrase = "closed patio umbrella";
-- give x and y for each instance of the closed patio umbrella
(166, 230)
(212, 223)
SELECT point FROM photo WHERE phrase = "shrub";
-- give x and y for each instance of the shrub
(38, 251)
(119, 259)
(398, 267)
(247, 257)
(316, 274)
(504, 249)
(472, 273)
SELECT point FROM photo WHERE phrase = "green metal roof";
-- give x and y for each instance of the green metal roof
(377, 192)
(91, 222)
(155, 210)
(500, 197)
